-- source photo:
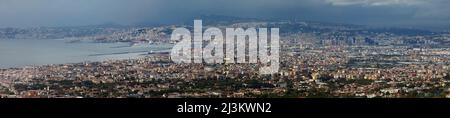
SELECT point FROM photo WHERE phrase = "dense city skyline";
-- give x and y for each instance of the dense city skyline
(316, 60)
(199, 57)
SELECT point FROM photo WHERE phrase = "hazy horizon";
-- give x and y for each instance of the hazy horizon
(56, 13)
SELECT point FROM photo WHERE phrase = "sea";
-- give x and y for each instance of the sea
(16, 53)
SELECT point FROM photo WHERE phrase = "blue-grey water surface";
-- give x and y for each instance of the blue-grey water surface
(20, 53)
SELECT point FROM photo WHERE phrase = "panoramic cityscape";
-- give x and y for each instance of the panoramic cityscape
(317, 58)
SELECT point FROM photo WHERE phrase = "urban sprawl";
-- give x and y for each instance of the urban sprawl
(316, 60)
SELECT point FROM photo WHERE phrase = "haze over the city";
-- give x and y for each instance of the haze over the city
(36, 13)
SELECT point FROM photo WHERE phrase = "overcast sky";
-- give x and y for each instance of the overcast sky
(35, 13)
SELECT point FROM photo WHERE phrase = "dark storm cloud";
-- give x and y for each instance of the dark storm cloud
(32, 13)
